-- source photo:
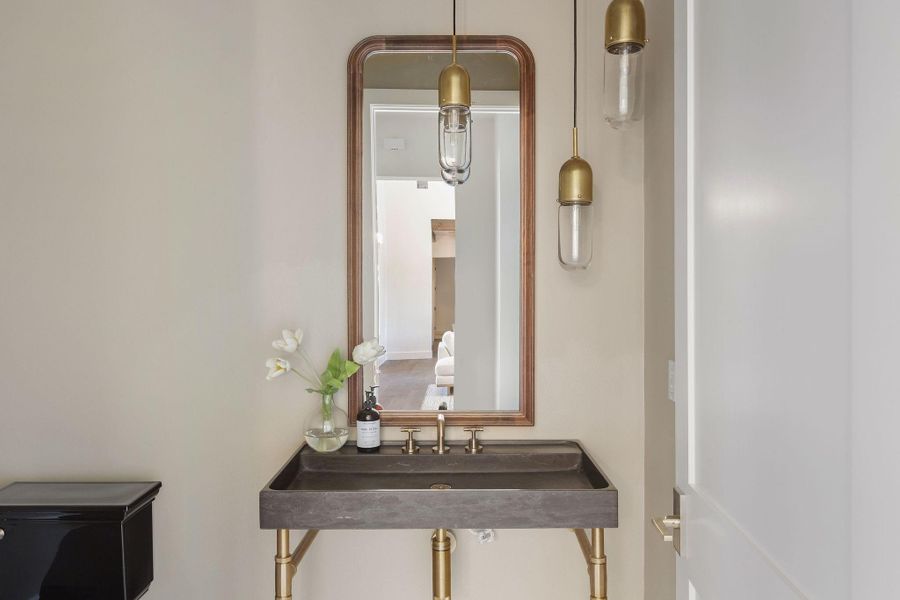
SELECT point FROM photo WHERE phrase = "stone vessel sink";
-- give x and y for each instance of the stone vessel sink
(511, 485)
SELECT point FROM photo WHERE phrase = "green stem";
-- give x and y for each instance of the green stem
(309, 364)
(303, 377)
(327, 413)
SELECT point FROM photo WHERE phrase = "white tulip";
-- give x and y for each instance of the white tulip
(367, 351)
(277, 367)
(290, 340)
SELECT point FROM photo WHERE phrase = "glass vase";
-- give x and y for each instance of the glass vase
(326, 427)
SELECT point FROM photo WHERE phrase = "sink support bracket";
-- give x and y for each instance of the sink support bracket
(286, 562)
(595, 557)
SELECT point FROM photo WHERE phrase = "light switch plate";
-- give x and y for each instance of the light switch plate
(672, 380)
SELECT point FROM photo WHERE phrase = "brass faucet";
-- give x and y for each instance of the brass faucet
(440, 448)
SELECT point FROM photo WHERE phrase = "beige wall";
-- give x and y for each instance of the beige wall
(659, 309)
(172, 189)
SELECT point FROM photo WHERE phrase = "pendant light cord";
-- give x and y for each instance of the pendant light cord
(453, 38)
(574, 77)
(575, 63)
(454, 17)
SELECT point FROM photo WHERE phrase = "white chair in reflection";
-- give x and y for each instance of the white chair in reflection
(443, 368)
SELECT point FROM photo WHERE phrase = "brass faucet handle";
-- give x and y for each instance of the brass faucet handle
(409, 446)
(473, 447)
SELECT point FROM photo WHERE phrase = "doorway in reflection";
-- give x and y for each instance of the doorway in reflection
(415, 262)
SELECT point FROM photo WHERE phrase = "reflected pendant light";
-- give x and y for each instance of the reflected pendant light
(454, 119)
(623, 75)
(576, 182)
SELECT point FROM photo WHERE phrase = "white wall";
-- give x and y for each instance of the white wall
(418, 129)
(419, 157)
(172, 190)
(508, 261)
(875, 218)
(405, 266)
(475, 342)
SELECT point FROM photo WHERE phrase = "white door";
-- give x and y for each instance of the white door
(762, 298)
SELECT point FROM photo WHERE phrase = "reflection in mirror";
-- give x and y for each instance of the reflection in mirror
(441, 265)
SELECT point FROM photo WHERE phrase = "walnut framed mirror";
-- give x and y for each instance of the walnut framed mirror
(442, 275)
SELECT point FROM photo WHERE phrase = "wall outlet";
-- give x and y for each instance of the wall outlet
(672, 380)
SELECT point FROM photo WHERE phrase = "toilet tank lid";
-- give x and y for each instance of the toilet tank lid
(42, 500)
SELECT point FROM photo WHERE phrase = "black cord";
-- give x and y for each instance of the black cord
(575, 69)
(454, 17)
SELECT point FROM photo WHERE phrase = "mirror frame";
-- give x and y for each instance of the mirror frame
(524, 416)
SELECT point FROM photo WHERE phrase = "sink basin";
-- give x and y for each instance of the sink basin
(511, 485)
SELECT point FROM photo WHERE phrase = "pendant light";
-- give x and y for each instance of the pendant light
(576, 181)
(454, 119)
(623, 78)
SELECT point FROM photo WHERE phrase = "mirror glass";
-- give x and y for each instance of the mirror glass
(441, 266)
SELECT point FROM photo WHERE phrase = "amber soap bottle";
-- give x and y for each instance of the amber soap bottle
(368, 425)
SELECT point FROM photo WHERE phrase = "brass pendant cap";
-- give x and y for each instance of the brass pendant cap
(576, 182)
(454, 88)
(626, 23)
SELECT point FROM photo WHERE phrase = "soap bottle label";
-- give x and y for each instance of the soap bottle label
(368, 434)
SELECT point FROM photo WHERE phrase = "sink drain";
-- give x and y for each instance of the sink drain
(440, 486)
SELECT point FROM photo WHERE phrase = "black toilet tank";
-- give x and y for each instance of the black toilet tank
(76, 541)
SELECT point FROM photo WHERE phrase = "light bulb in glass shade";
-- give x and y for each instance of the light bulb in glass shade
(454, 177)
(455, 138)
(623, 81)
(575, 235)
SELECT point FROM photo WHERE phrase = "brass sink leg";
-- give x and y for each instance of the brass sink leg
(440, 565)
(286, 562)
(284, 570)
(597, 564)
(595, 557)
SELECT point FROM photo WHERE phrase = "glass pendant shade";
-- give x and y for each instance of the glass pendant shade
(454, 177)
(575, 216)
(454, 118)
(455, 138)
(623, 84)
(576, 187)
(575, 235)
(625, 36)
